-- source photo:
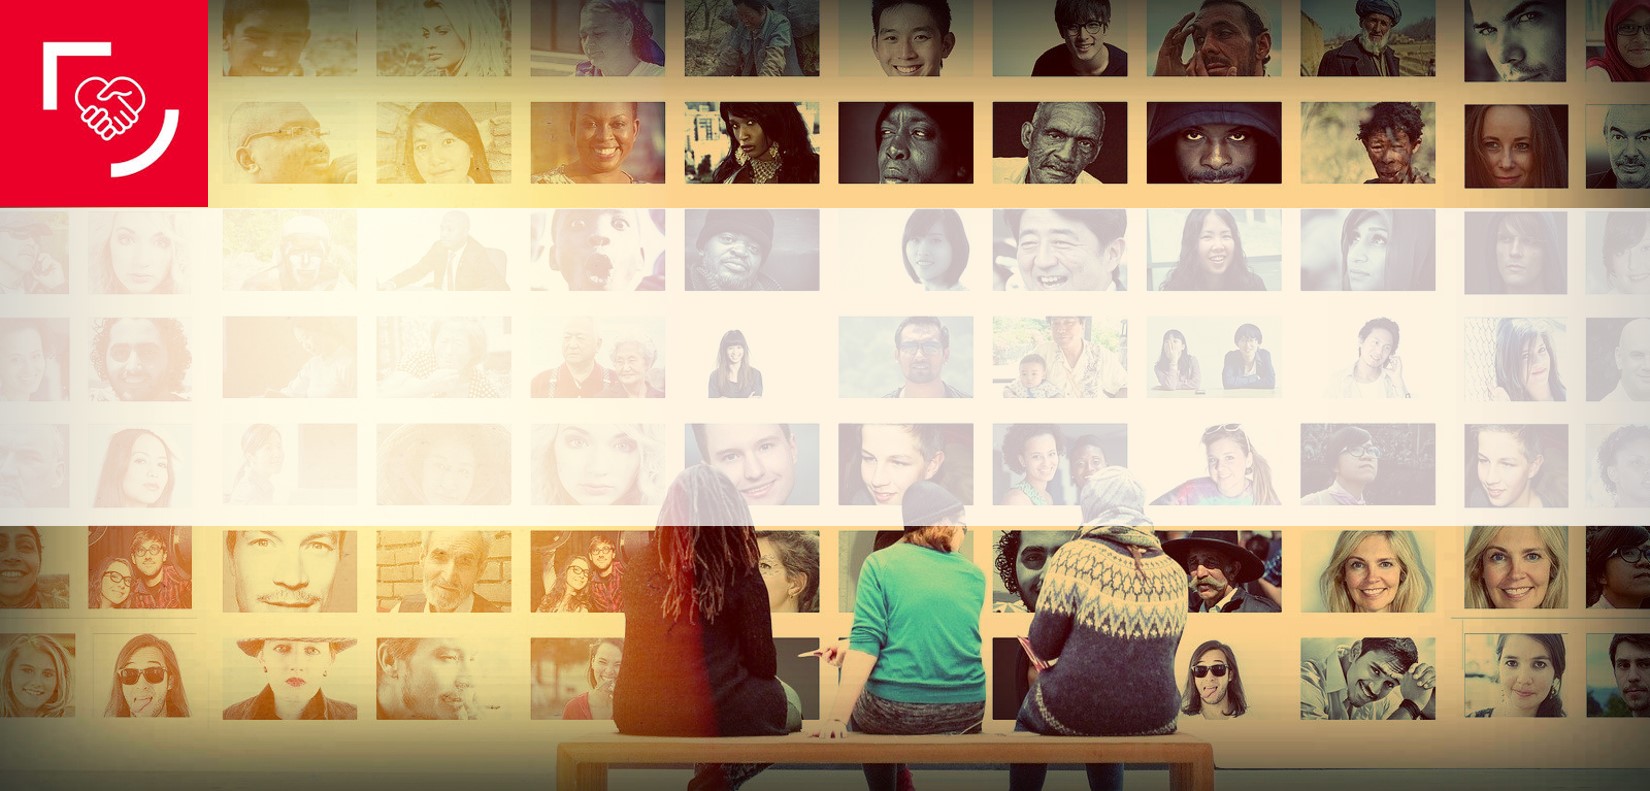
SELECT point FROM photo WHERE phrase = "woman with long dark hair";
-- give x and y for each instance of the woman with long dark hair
(1529, 669)
(1526, 363)
(1176, 367)
(442, 145)
(1211, 256)
(137, 471)
(1515, 146)
(768, 143)
(734, 377)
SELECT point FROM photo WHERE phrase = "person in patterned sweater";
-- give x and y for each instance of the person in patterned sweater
(1111, 610)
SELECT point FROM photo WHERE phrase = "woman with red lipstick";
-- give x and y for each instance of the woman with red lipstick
(296, 670)
(1519, 146)
(1526, 362)
(1529, 668)
(147, 681)
(768, 143)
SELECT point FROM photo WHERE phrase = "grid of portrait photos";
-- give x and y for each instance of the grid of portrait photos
(1302, 314)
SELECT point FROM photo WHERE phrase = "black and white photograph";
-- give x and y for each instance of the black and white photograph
(618, 142)
(1618, 143)
(1618, 252)
(271, 38)
(446, 143)
(40, 675)
(444, 357)
(573, 677)
(148, 675)
(1214, 250)
(289, 250)
(1517, 568)
(1228, 39)
(1517, 146)
(910, 357)
(140, 568)
(443, 571)
(597, 38)
(36, 474)
(35, 578)
(1059, 143)
(1618, 360)
(296, 678)
(1215, 356)
(257, 471)
(1369, 678)
(609, 357)
(916, 38)
(143, 467)
(1020, 557)
(289, 357)
(906, 142)
(752, 143)
(1618, 675)
(1618, 557)
(34, 359)
(443, 250)
(1369, 464)
(752, 38)
(140, 359)
(599, 464)
(769, 463)
(878, 462)
(1521, 252)
(1048, 38)
(1515, 40)
(290, 570)
(1060, 249)
(1369, 571)
(1359, 143)
(751, 249)
(144, 252)
(915, 251)
(443, 464)
(1060, 356)
(579, 571)
(445, 38)
(291, 143)
(33, 252)
(1618, 466)
(1047, 464)
(1368, 249)
(1369, 38)
(1521, 465)
(1515, 359)
(446, 678)
(1514, 675)
(597, 250)
(789, 565)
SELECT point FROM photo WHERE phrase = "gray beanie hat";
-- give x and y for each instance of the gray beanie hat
(927, 502)
(1112, 498)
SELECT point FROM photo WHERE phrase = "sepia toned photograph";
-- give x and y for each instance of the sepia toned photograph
(919, 250)
(36, 474)
(469, 251)
(289, 250)
(877, 463)
(1047, 464)
(1618, 142)
(1368, 678)
(1074, 39)
(1188, 349)
(1618, 675)
(1240, 38)
(751, 38)
(906, 142)
(149, 674)
(443, 143)
(33, 252)
(1517, 146)
(275, 38)
(140, 359)
(142, 467)
(1618, 359)
(1618, 567)
(321, 473)
(294, 678)
(1616, 48)
(573, 677)
(289, 570)
(289, 357)
(1522, 252)
(444, 38)
(1214, 250)
(1515, 40)
(1369, 464)
(597, 250)
(1618, 466)
(913, 38)
(444, 357)
(751, 249)
(1377, 369)
(597, 38)
(610, 358)
(288, 143)
(40, 675)
(1618, 252)
(1368, 249)
(769, 463)
(1060, 249)
(752, 143)
(928, 357)
(140, 568)
(1229, 571)
(1370, 571)
(617, 142)
(1518, 568)
(34, 359)
(443, 464)
(144, 252)
(1515, 359)
(599, 464)
(30, 577)
(1514, 675)
(1238, 473)
(443, 571)
(579, 571)
(1369, 38)
(1380, 143)
(1214, 142)
(443, 678)
(789, 565)
(1060, 356)
(1060, 143)
(1517, 466)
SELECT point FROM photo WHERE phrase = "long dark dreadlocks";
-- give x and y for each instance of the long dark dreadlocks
(706, 543)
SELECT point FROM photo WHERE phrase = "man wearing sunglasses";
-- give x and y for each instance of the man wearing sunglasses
(1217, 567)
(1355, 682)
(1354, 460)
(296, 670)
(922, 346)
(282, 143)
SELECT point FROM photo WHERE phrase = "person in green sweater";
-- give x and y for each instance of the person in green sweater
(911, 664)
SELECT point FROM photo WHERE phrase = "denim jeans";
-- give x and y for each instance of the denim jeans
(1029, 777)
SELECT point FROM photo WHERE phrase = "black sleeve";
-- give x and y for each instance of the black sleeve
(750, 607)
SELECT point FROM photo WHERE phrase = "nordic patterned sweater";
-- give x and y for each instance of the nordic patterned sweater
(1114, 624)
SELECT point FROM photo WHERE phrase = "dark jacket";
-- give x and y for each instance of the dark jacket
(1241, 601)
(262, 707)
(476, 270)
(1351, 60)
(802, 171)
(416, 602)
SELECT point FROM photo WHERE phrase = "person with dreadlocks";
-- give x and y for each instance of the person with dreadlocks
(700, 657)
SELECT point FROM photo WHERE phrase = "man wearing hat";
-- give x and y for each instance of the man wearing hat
(1214, 143)
(733, 244)
(24, 267)
(1216, 566)
(1368, 54)
(295, 669)
(1352, 456)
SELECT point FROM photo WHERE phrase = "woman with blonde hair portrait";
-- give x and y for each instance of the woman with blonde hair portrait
(599, 464)
(1526, 362)
(1517, 146)
(147, 681)
(1529, 669)
(35, 678)
(1376, 571)
(441, 144)
(138, 252)
(111, 586)
(1517, 568)
(1238, 475)
(465, 38)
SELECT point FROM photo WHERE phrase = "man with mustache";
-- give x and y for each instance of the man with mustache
(431, 678)
(450, 564)
(1213, 143)
(1391, 135)
(1627, 140)
(1229, 39)
(1217, 567)
(1353, 458)
(283, 570)
(1368, 54)
(282, 143)
(1630, 659)
(455, 262)
(296, 668)
(922, 346)
(1355, 682)
(1632, 358)
(732, 246)
(1022, 557)
(1523, 39)
(602, 250)
(1061, 140)
(34, 467)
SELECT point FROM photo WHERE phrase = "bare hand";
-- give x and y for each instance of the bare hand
(1168, 55)
(830, 729)
(834, 653)
(1416, 685)
(49, 272)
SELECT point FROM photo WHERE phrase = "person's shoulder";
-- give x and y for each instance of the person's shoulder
(1117, 61)
(339, 710)
(241, 710)
(1605, 179)
(1052, 63)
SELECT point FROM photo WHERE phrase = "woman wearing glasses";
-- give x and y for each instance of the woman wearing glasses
(1351, 455)
(112, 585)
(147, 682)
(571, 591)
(1376, 571)
(1238, 475)
(1626, 56)
(1618, 568)
(1214, 689)
(1083, 51)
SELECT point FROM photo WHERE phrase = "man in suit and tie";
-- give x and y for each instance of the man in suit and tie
(456, 262)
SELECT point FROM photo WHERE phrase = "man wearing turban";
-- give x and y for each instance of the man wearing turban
(1369, 54)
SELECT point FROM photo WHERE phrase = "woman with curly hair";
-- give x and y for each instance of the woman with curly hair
(768, 143)
(445, 464)
(147, 681)
(1032, 450)
(1515, 146)
(599, 464)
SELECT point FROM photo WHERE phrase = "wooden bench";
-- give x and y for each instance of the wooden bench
(581, 763)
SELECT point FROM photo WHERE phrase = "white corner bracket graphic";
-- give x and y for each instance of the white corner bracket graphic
(100, 120)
